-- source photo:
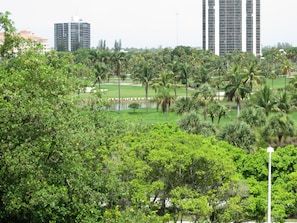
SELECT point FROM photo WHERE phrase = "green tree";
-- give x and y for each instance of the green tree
(43, 147)
(191, 123)
(217, 110)
(160, 164)
(100, 74)
(11, 42)
(165, 99)
(240, 135)
(264, 99)
(134, 106)
(145, 74)
(284, 103)
(183, 105)
(279, 125)
(253, 75)
(186, 70)
(236, 89)
(255, 117)
(204, 95)
(118, 57)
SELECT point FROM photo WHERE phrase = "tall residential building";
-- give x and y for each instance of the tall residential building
(231, 25)
(28, 35)
(73, 35)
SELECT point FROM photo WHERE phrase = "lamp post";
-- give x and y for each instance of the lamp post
(270, 150)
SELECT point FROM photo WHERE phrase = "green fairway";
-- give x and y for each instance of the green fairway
(278, 83)
(140, 116)
(131, 91)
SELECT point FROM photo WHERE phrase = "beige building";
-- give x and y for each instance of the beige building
(28, 35)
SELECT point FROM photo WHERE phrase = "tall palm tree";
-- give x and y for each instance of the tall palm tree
(286, 68)
(253, 116)
(117, 57)
(253, 75)
(100, 73)
(284, 103)
(264, 99)
(186, 70)
(184, 105)
(281, 126)
(165, 99)
(236, 90)
(218, 73)
(204, 95)
(163, 80)
(144, 72)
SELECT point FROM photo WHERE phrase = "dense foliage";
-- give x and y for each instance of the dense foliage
(63, 159)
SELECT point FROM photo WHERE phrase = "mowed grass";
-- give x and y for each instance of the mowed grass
(141, 116)
(130, 91)
(278, 83)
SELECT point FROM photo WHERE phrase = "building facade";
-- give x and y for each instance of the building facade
(28, 35)
(72, 36)
(231, 25)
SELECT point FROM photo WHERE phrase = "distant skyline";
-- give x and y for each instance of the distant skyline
(144, 23)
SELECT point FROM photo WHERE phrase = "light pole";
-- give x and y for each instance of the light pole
(270, 150)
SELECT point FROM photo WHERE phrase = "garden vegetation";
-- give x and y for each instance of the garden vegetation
(65, 157)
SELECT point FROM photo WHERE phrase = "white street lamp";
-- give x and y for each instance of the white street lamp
(270, 150)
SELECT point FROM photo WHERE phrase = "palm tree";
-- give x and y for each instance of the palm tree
(218, 73)
(284, 103)
(183, 105)
(201, 75)
(186, 70)
(190, 123)
(100, 74)
(285, 70)
(279, 125)
(253, 75)
(204, 95)
(236, 90)
(176, 77)
(264, 99)
(165, 99)
(117, 58)
(144, 73)
(239, 134)
(216, 109)
(255, 117)
(164, 80)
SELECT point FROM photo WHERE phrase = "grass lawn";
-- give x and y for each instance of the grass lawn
(278, 83)
(141, 116)
(129, 91)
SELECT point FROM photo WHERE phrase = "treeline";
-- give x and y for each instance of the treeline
(212, 85)
(64, 162)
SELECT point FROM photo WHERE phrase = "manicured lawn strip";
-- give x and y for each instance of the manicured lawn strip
(140, 116)
(129, 91)
(278, 83)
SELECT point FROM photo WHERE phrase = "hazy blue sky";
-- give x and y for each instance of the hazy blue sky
(144, 23)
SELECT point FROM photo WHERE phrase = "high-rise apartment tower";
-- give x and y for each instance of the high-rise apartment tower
(231, 25)
(73, 35)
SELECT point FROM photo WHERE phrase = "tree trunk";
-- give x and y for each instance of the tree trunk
(146, 96)
(238, 109)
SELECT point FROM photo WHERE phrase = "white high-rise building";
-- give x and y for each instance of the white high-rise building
(231, 25)
(73, 35)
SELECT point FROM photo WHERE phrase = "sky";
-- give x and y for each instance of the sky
(144, 23)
